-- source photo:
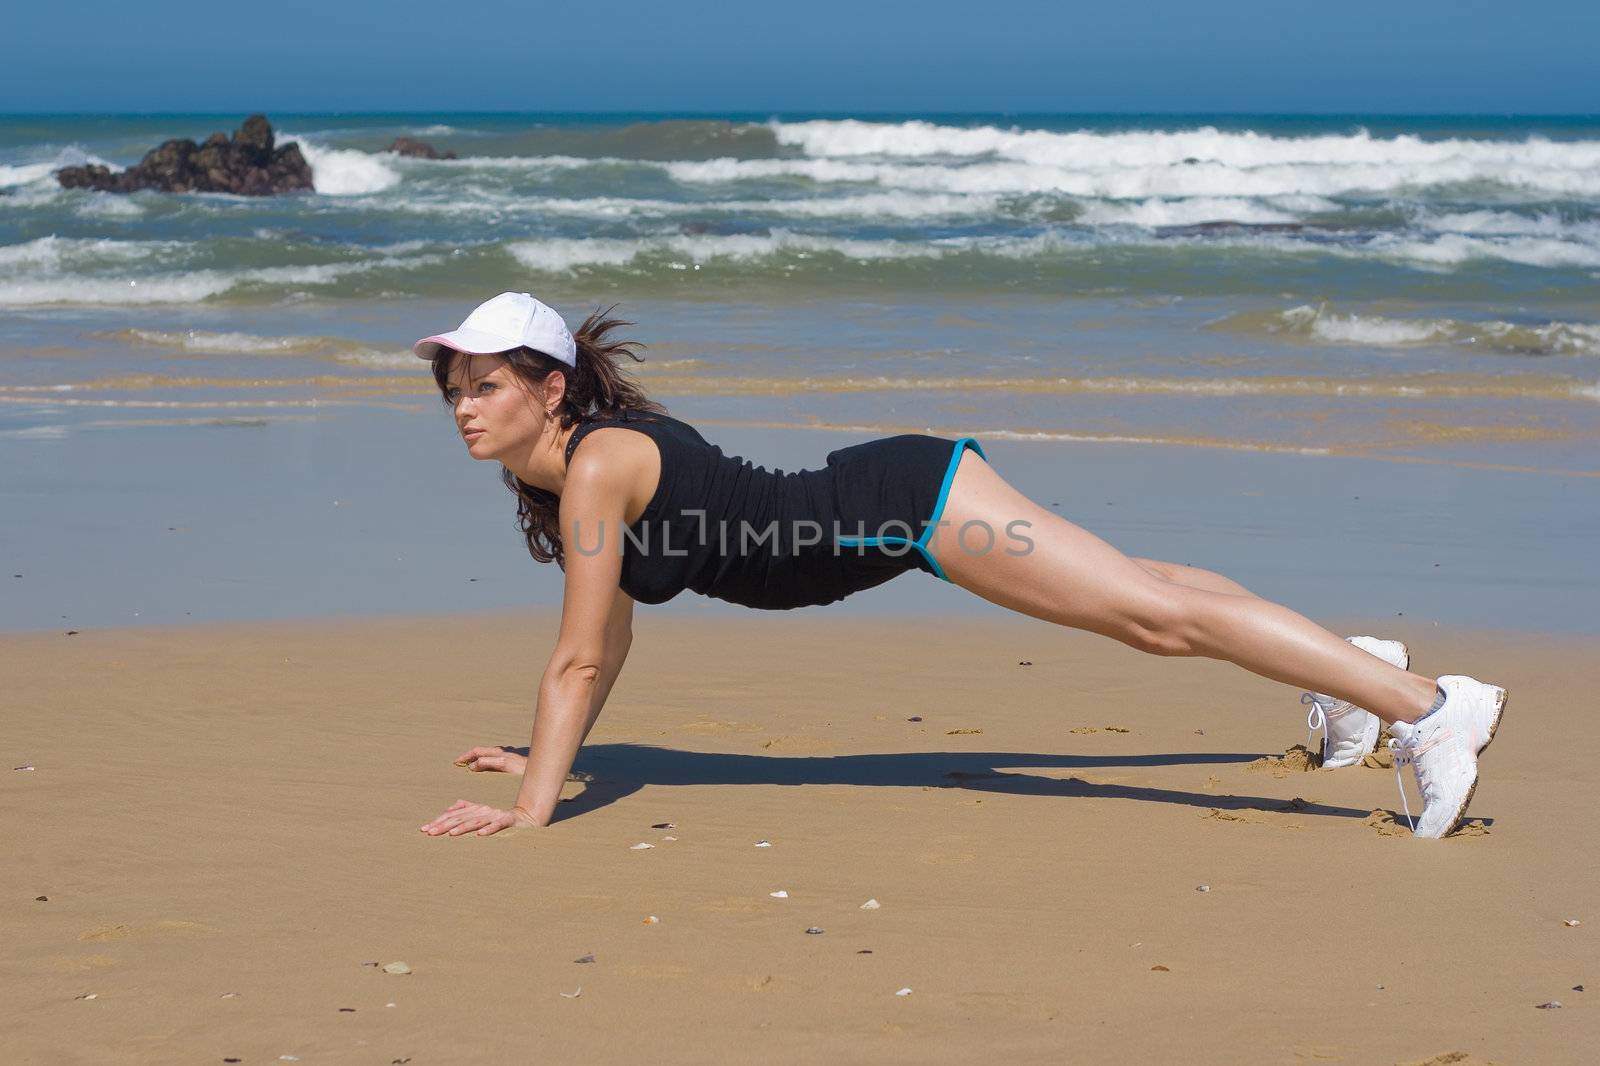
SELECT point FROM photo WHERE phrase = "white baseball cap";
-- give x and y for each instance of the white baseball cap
(510, 320)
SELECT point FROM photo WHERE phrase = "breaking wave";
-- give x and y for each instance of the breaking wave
(345, 172)
(1321, 324)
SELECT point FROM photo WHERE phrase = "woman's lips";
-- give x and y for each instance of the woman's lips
(471, 435)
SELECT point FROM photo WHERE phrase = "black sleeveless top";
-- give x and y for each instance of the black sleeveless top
(724, 527)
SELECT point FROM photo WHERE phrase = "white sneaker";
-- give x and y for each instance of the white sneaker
(1443, 750)
(1488, 722)
(1350, 733)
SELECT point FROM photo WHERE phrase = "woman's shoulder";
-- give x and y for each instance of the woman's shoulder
(647, 422)
(607, 443)
(613, 462)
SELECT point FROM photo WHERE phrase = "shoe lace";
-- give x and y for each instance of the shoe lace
(1316, 719)
(1402, 757)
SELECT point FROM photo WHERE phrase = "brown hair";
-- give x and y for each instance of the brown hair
(598, 387)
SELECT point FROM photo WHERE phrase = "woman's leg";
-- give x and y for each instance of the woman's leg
(1193, 577)
(1052, 569)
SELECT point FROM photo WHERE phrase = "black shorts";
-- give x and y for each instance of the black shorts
(891, 494)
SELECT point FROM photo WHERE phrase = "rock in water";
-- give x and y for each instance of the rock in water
(410, 146)
(248, 164)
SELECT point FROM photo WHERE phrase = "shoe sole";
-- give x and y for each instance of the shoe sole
(1494, 725)
(1461, 814)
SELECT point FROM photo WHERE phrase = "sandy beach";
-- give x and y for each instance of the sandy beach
(1077, 853)
(254, 598)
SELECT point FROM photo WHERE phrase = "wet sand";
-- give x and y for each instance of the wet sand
(224, 822)
(380, 512)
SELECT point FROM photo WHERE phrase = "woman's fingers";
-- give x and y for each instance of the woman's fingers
(497, 760)
(468, 821)
(464, 817)
(449, 817)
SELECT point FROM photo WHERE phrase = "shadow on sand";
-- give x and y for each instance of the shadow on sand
(613, 771)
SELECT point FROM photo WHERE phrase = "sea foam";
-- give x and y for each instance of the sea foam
(1203, 161)
(14, 175)
(1323, 324)
(211, 342)
(345, 172)
(40, 288)
(561, 255)
(1148, 148)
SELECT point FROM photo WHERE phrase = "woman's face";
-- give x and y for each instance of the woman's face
(497, 413)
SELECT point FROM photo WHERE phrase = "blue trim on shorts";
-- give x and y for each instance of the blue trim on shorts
(921, 543)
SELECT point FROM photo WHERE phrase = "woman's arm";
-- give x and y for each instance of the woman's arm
(496, 758)
(576, 680)
(572, 694)
(596, 630)
(619, 638)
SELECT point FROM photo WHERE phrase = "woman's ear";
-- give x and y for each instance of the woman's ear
(555, 390)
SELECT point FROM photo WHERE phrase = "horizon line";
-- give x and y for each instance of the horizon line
(824, 112)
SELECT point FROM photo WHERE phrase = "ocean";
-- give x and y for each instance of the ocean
(1405, 290)
(1210, 280)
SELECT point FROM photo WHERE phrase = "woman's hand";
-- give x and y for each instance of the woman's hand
(465, 817)
(496, 759)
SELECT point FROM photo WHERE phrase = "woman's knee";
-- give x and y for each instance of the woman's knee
(1158, 621)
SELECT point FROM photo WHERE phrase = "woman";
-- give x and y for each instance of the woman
(646, 508)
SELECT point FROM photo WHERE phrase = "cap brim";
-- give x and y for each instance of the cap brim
(470, 341)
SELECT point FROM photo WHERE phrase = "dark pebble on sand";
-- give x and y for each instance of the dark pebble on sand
(1554, 1004)
(1577, 988)
(41, 899)
(915, 718)
(864, 951)
(814, 931)
(232, 1060)
(1025, 662)
(586, 958)
(72, 632)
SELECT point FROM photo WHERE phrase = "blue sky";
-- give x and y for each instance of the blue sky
(816, 55)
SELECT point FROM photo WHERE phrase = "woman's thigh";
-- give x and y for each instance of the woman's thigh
(996, 542)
